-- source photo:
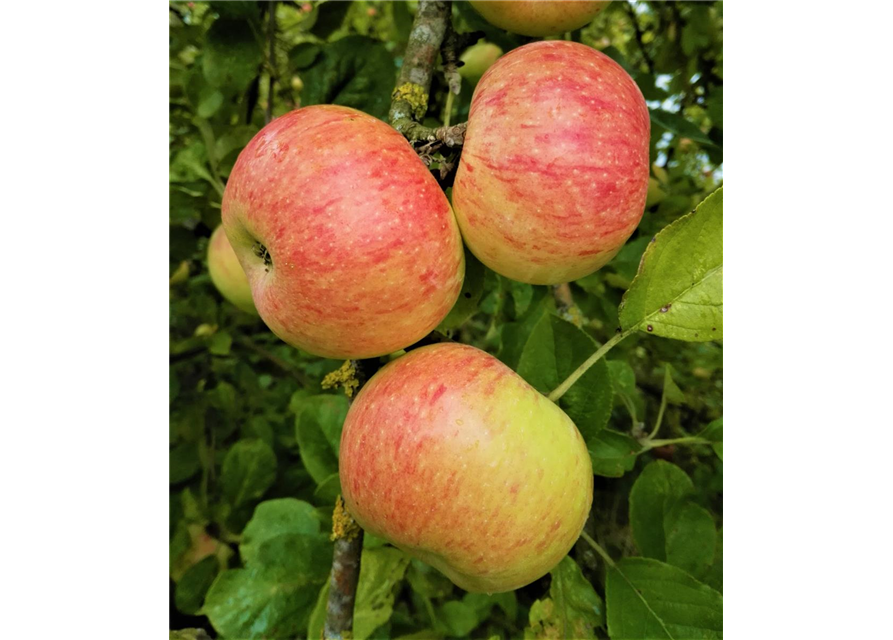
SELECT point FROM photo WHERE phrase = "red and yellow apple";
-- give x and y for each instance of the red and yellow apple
(538, 17)
(478, 58)
(227, 274)
(553, 176)
(451, 456)
(349, 244)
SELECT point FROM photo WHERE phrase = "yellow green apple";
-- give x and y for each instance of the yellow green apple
(226, 272)
(478, 58)
(452, 457)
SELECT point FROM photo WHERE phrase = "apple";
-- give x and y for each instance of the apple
(478, 59)
(452, 457)
(349, 244)
(538, 17)
(226, 272)
(553, 176)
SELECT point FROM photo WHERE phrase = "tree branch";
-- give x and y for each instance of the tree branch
(346, 533)
(409, 101)
(345, 576)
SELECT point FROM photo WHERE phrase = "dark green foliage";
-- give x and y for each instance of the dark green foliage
(254, 437)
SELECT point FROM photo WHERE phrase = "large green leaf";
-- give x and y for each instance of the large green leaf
(273, 595)
(648, 600)
(354, 71)
(665, 524)
(553, 351)
(273, 518)
(678, 290)
(318, 428)
(232, 56)
(249, 469)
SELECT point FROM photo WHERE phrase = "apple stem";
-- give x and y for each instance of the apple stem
(561, 389)
(598, 548)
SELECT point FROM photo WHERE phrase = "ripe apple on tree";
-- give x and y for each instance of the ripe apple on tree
(226, 272)
(451, 456)
(538, 17)
(349, 244)
(478, 58)
(553, 176)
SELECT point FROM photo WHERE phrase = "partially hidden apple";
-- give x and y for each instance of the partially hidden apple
(478, 58)
(553, 176)
(538, 17)
(349, 244)
(226, 272)
(451, 456)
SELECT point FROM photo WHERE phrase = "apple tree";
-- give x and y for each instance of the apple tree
(263, 543)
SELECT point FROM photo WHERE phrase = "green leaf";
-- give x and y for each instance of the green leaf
(273, 518)
(192, 587)
(678, 290)
(622, 376)
(521, 295)
(427, 581)
(381, 571)
(184, 462)
(328, 489)
(190, 164)
(249, 469)
(613, 453)
(457, 619)
(232, 56)
(273, 595)
(671, 389)
(713, 577)
(691, 538)
(470, 296)
(330, 16)
(578, 608)
(678, 124)
(553, 351)
(515, 335)
(318, 430)
(665, 524)
(220, 343)
(713, 433)
(355, 71)
(303, 55)
(647, 599)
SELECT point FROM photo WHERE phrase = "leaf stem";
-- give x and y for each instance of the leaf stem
(660, 414)
(654, 444)
(598, 548)
(561, 389)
